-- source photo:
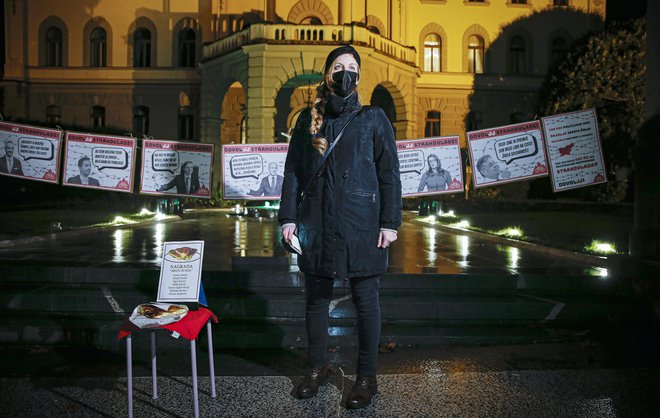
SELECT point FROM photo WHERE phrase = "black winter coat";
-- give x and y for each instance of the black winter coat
(357, 193)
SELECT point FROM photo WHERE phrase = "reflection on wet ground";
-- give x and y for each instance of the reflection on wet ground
(420, 249)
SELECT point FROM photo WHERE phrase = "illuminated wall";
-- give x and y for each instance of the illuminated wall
(435, 65)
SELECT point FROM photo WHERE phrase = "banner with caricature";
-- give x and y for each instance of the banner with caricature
(30, 152)
(507, 154)
(430, 166)
(176, 168)
(99, 162)
(253, 172)
(574, 151)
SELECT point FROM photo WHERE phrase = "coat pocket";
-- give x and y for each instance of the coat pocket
(361, 210)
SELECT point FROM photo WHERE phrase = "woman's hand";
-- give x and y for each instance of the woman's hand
(385, 238)
(287, 232)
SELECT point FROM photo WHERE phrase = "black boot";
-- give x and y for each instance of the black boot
(314, 378)
(362, 393)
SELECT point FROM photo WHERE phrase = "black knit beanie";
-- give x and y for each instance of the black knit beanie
(344, 49)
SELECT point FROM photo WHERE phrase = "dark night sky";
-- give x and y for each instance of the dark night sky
(621, 10)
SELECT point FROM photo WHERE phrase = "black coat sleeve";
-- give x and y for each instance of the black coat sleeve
(293, 170)
(387, 170)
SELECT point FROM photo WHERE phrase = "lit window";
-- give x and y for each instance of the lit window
(98, 42)
(142, 48)
(432, 48)
(432, 126)
(98, 117)
(187, 48)
(54, 47)
(475, 54)
(140, 121)
(518, 55)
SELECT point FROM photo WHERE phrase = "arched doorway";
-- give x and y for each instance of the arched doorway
(232, 113)
(295, 95)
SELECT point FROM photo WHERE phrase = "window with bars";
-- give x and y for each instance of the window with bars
(97, 115)
(558, 51)
(140, 121)
(432, 125)
(475, 121)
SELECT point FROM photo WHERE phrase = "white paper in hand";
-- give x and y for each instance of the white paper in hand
(295, 244)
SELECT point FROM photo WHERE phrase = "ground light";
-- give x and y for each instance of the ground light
(600, 247)
(448, 214)
(511, 232)
(145, 212)
(120, 220)
(461, 225)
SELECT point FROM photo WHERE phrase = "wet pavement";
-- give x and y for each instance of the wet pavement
(419, 249)
(609, 372)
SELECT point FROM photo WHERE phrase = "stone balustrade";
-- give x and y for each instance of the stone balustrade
(287, 34)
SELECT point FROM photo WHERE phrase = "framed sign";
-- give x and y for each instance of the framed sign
(176, 168)
(181, 271)
(574, 151)
(30, 152)
(99, 162)
(253, 172)
(507, 154)
(430, 166)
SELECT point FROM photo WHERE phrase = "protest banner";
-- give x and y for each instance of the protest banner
(176, 168)
(574, 151)
(181, 271)
(253, 172)
(507, 154)
(30, 152)
(99, 161)
(430, 166)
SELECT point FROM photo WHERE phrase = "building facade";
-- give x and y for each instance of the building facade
(225, 71)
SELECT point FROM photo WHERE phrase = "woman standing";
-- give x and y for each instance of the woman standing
(435, 178)
(348, 217)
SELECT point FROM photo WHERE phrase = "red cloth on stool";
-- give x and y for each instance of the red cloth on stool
(189, 326)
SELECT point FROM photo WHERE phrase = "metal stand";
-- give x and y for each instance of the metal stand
(193, 360)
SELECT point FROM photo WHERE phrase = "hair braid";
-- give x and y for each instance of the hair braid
(322, 92)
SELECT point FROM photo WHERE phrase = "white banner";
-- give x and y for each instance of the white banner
(99, 162)
(30, 152)
(176, 168)
(574, 151)
(430, 166)
(507, 153)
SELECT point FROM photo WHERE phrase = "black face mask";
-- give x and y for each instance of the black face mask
(344, 82)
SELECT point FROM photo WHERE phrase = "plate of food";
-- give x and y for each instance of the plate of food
(155, 314)
(182, 254)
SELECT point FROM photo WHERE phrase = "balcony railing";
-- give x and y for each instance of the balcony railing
(309, 35)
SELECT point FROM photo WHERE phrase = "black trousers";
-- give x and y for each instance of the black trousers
(365, 298)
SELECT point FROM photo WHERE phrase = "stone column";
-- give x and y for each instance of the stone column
(260, 96)
(645, 238)
(344, 12)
